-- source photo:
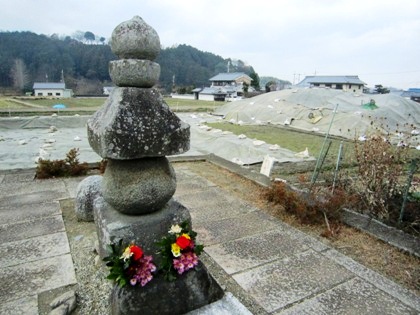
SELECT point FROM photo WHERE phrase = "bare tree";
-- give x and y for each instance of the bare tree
(19, 74)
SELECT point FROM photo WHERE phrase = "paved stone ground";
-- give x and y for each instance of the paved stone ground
(275, 268)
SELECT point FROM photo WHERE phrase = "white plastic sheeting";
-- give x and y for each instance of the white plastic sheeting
(312, 109)
(24, 140)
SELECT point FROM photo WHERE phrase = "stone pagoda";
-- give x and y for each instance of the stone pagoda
(134, 131)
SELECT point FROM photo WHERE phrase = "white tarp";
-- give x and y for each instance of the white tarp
(312, 109)
(24, 140)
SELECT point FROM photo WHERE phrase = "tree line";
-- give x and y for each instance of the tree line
(26, 57)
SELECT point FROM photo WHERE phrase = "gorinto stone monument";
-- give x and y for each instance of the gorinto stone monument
(134, 130)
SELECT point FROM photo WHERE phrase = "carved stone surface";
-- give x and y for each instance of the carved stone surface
(134, 72)
(138, 186)
(145, 230)
(190, 291)
(135, 39)
(135, 123)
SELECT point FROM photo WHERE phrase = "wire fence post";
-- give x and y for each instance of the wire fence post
(412, 169)
(337, 165)
(315, 174)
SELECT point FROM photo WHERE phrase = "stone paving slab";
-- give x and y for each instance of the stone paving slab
(213, 204)
(31, 278)
(188, 181)
(31, 198)
(228, 305)
(33, 249)
(215, 232)
(24, 306)
(26, 229)
(22, 176)
(352, 297)
(263, 248)
(14, 188)
(289, 280)
(375, 278)
(25, 212)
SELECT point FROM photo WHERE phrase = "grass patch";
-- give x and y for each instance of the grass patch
(292, 140)
(93, 103)
(187, 105)
(69, 102)
(7, 104)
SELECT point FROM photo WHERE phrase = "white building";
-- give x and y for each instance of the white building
(350, 83)
(52, 89)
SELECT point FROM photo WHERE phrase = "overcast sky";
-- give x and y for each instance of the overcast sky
(377, 40)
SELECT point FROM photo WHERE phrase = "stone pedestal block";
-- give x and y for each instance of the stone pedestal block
(135, 123)
(192, 290)
(138, 186)
(144, 230)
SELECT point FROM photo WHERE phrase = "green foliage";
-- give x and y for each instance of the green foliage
(255, 83)
(70, 166)
(116, 265)
(381, 90)
(44, 55)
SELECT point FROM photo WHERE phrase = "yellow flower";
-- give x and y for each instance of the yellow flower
(186, 236)
(176, 250)
(127, 253)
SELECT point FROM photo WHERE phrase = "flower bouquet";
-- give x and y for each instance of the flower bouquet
(128, 264)
(179, 251)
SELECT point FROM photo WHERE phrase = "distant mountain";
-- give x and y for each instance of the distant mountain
(26, 57)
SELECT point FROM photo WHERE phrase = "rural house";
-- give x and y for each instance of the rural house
(52, 89)
(350, 83)
(224, 86)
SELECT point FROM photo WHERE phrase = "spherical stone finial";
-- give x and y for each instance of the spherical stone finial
(135, 39)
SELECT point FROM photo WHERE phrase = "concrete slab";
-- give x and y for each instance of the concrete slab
(352, 297)
(57, 186)
(28, 212)
(187, 183)
(29, 279)
(292, 279)
(213, 204)
(215, 232)
(23, 176)
(228, 305)
(32, 198)
(265, 247)
(26, 229)
(379, 281)
(24, 306)
(33, 249)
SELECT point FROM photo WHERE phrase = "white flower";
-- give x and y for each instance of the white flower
(175, 229)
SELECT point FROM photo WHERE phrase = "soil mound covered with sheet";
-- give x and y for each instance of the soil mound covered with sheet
(312, 110)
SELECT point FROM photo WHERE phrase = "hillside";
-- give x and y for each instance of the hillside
(27, 57)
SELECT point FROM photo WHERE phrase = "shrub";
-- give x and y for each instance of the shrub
(380, 168)
(70, 166)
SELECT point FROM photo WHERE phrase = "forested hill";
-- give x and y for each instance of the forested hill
(26, 57)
